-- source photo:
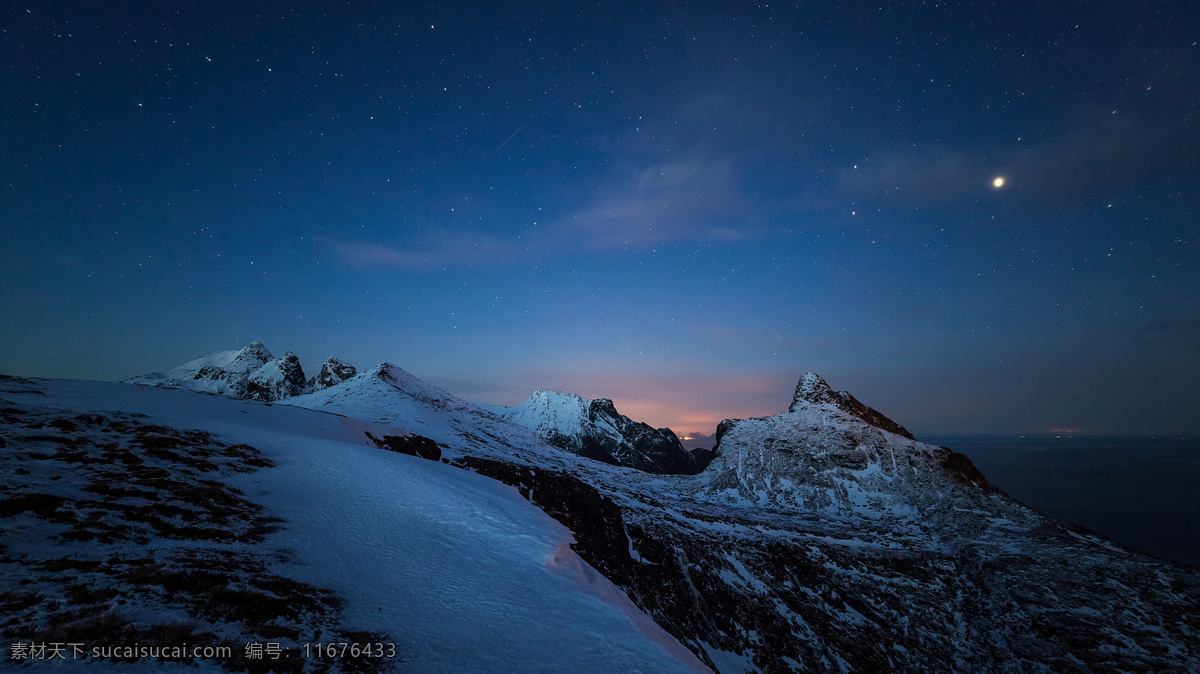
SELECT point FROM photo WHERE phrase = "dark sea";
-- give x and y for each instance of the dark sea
(1142, 492)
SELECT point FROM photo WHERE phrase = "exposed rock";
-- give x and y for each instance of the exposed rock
(276, 380)
(412, 445)
(702, 457)
(333, 372)
(224, 372)
(595, 519)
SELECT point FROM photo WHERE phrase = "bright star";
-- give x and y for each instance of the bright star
(998, 182)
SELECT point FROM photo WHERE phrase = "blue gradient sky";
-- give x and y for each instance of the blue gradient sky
(681, 206)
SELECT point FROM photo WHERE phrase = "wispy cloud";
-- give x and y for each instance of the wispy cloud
(687, 200)
(933, 174)
(468, 249)
(1099, 154)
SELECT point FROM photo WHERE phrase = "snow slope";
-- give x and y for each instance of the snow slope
(387, 394)
(457, 570)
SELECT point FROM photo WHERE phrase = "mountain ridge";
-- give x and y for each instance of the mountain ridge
(595, 429)
(820, 540)
(250, 372)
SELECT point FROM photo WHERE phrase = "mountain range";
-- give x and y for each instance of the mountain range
(822, 538)
(251, 372)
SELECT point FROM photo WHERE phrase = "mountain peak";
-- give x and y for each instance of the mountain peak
(333, 372)
(394, 375)
(593, 428)
(550, 395)
(813, 390)
(385, 371)
(249, 372)
(257, 350)
(276, 379)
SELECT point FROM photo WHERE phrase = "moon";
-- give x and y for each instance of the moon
(998, 182)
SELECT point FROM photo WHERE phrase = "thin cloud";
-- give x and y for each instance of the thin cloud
(934, 174)
(1047, 173)
(1113, 152)
(468, 250)
(687, 200)
(692, 200)
(687, 180)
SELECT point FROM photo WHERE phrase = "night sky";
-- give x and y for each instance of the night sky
(680, 206)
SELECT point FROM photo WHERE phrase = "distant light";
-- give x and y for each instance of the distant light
(998, 182)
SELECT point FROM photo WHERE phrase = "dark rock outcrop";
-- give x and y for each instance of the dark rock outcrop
(333, 372)
(412, 445)
(594, 519)
(276, 380)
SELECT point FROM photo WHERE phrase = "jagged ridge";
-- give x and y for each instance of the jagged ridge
(594, 429)
(251, 372)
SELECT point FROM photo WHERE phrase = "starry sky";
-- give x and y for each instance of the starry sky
(682, 206)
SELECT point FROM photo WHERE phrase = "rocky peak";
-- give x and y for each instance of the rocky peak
(813, 390)
(293, 374)
(275, 380)
(250, 372)
(602, 408)
(387, 372)
(256, 350)
(333, 372)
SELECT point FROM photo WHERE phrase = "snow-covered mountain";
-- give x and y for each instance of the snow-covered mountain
(594, 428)
(333, 372)
(590, 428)
(141, 523)
(823, 538)
(251, 372)
(831, 453)
(819, 540)
(224, 372)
